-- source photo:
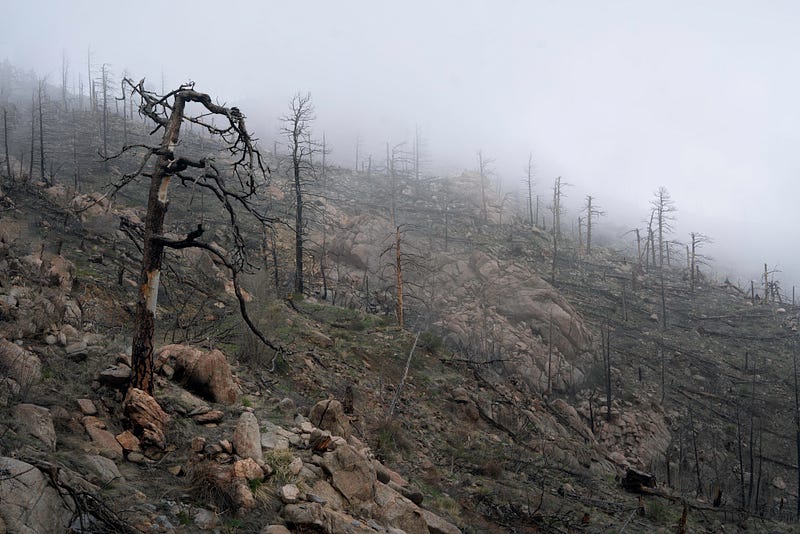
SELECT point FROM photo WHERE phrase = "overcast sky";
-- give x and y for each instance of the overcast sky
(617, 97)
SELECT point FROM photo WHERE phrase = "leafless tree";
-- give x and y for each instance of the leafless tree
(64, 78)
(484, 170)
(234, 183)
(7, 156)
(528, 181)
(592, 213)
(695, 259)
(297, 128)
(663, 215)
(41, 93)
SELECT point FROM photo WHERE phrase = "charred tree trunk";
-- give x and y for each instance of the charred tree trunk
(41, 134)
(5, 144)
(399, 275)
(299, 285)
(797, 431)
(33, 135)
(549, 353)
(157, 204)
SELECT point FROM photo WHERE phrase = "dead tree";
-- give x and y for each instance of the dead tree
(696, 259)
(796, 429)
(605, 347)
(483, 176)
(592, 212)
(297, 127)
(558, 195)
(64, 79)
(663, 210)
(528, 181)
(399, 278)
(41, 94)
(9, 174)
(233, 183)
(105, 87)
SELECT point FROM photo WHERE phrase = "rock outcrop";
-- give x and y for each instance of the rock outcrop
(207, 374)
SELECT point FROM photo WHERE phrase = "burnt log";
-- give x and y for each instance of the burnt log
(636, 481)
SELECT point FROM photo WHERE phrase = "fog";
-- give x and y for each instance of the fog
(619, 97)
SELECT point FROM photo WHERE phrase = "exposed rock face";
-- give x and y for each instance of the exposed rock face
(206, 373)
(247, 438)
(484, 302)
(329, 415)
(636, 434)
(508, 304)
(38, 422)
(150, 421)
(28, 503)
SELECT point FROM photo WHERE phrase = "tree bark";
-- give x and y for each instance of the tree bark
(41, 134)
(157, 204)
(5, 143)
(399, 274)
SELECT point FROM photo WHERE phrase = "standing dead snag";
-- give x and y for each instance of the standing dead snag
(236, 197)
(297, 128)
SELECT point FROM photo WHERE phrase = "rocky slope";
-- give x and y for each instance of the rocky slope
(499, 425)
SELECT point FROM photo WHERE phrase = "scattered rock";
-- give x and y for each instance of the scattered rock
(460, 394)
(137, 458)
(149, 420)
(289, 494)
(205, 519)
(286, 405)
(209, 417)
(247, 438)
(275, 529)
(115, 376)
(128, 441)
(248, 469)
(296, 466)
(87, 407)
(105, 441)
(37, 422)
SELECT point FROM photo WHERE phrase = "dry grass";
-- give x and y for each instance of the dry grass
(207, 486)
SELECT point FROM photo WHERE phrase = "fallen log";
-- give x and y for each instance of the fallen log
(636, 481)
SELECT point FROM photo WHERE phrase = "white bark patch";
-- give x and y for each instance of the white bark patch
(162, 190)
(151, 291)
